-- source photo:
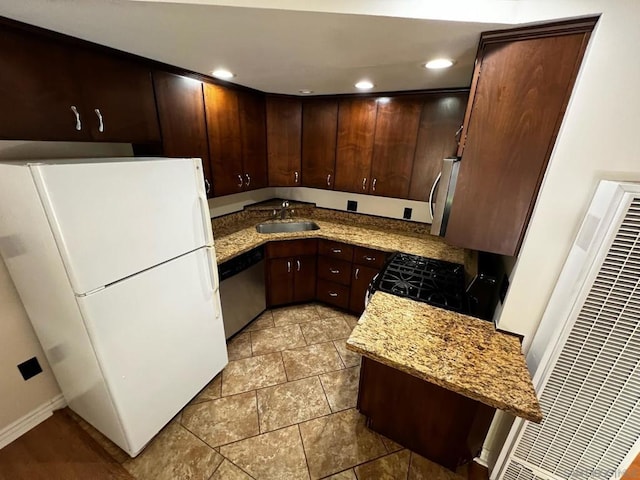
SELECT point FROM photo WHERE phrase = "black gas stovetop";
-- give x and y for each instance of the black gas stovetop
(435, 282)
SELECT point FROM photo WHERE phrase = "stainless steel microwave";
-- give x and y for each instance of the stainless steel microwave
(441, 195)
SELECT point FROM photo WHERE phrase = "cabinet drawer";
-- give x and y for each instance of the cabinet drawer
(334, 270)
(369, 257)
(333, 293)
(291, 248)
(338, 250)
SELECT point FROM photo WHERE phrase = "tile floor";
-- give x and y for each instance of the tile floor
(283, 409)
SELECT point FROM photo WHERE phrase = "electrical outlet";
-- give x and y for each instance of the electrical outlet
(407, 213)
(30, 368)
(352, 205)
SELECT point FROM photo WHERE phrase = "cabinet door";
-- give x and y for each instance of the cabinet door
(319, 131)
(517, 109)
(37, 90)
(280, 274)
(253, 134)
(442, 115)
(225, 150)
(394, 146)
(356, 128)
(304, 287)
(118, 98)
(284, 129)
(182, 119)
(361, 277)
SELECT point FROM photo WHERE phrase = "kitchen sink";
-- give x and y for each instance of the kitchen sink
(280, 227)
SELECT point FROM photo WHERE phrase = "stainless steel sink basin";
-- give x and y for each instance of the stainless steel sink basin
(280, 227)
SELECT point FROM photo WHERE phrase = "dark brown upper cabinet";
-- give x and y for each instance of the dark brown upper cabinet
(319, 132)
(182, 119)
(253, 135)
(119, 105)
(522, 82)
(394, 145)
(225, 147)
(284, 132)
(50, 90)
(354, 150)
(442, 115)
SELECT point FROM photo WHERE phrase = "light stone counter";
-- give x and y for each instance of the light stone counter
(457, 352)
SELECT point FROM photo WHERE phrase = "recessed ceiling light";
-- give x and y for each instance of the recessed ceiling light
(222, 74)
(438, 63)
(364, 85)
(305, 91)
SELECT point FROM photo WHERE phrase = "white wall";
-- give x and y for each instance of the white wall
(18, 341)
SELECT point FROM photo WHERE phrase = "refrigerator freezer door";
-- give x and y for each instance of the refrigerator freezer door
(159, 339)
(115, 218)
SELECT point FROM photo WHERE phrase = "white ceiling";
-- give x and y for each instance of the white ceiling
(270, 49)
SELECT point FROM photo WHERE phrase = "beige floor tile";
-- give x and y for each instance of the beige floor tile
(346, 475)
(341, 388)
(324, 330)
(339, 441)
(263, 321)
(224, 420)
(325, 311)
(391, 445)
(239, 346)
(251, 373)
(174, 453)
(352, 320)
(423, 469)
(228, 471)
(349, 358)
(390, 467)
(276, 455)
(294, 314)
(210, 392)
(311, 360)
(291, 403)
(276, 339)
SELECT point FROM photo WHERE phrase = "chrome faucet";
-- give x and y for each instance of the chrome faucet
(283, 210)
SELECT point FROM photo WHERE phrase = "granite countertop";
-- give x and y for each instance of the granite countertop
(239, 235)
(457, 352)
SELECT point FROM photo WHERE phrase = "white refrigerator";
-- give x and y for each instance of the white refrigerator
(115, 264)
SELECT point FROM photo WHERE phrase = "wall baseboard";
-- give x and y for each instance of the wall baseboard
(30, 420)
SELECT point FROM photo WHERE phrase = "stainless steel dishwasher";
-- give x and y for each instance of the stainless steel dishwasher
(242, 291)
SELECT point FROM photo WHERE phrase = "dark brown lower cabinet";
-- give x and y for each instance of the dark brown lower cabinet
(439, 424)
(333, 293)
(291, 280)
(361, 277)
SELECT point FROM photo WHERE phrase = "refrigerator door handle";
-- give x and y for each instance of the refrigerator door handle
(206, 219)
(212, 264)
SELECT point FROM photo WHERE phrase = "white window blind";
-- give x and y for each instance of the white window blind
(590, 398)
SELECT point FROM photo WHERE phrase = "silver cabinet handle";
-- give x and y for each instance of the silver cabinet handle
(241, 181)
(298, 265)
(296, 176)
(333, 294)
(288, 266)
(336, 250)
(357, 272)
(459, 131)
(78, 122)
(207, 186)
(329, 180)
(248, 177)
(100, 121)
(433, 190)
(373, 185)
(335, 271)
(368, 258)
(364, 183)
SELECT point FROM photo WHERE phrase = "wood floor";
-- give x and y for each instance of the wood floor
(58, 449)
